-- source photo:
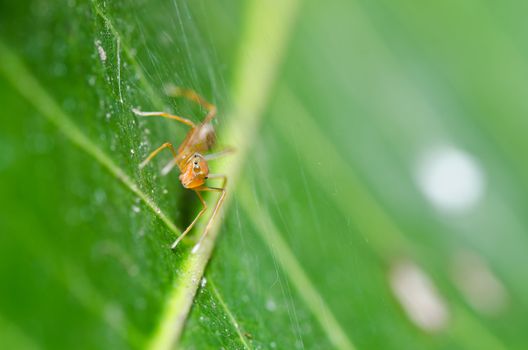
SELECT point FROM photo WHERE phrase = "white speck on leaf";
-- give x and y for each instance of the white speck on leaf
(195, 248)
(100, 50)
(119, 69)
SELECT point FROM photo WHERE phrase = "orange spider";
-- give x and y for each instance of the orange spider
(191, 158)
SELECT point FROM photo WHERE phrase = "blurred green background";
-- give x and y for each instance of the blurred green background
(379, 187)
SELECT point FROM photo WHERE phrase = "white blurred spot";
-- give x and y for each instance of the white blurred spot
(270, 305)
(203, 283)
(100, 50)
(113, 314)
(100, 196)
(451, 179)
(478, 284)
(418, 296)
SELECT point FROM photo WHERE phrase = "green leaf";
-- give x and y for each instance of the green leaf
(330, 107)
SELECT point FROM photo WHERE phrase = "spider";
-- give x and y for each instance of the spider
(191, 157)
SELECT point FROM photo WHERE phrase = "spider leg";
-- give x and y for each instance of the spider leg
(193, 222)
(219, 154)
(218, 205)
(164, 115)
(156, 151)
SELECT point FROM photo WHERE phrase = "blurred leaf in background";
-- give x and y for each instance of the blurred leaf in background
(377, 194)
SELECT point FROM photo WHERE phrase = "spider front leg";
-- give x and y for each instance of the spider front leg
(216, 209)
(193, 222)
(219, 154)
(155, 153)
(164, 115)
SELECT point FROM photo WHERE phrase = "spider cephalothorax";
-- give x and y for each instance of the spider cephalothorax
(195, 171)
